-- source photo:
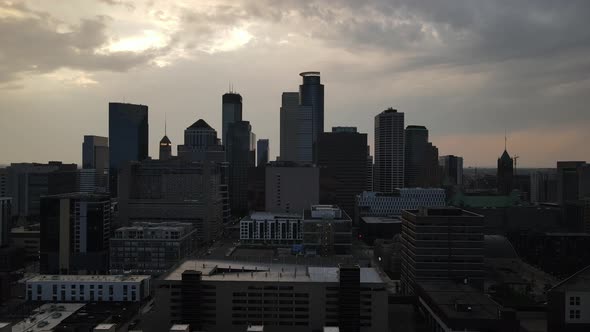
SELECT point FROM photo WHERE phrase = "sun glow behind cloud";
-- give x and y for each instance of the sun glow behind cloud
(229, 40)
(148, 40)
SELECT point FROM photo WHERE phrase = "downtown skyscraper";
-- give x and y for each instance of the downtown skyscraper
(128, 137)
(389, 151)
(231, 111)
(421, 159)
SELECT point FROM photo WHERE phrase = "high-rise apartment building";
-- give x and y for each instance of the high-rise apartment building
(5, 220)
(342, 159)
(573, 181)
(262, 152)
(128, 137)
(290, 188)
(95, 152)
(452, 170)
(389, 151)
(296, 130)
(241, 157)
(231, 112)
(173, 190)
(75, 231)
(505, 174)
(421, 159)
(441, 244)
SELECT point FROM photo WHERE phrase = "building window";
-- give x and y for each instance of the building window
(574, 300)
(574, 314)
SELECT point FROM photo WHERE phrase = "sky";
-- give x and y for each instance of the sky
(470, 71)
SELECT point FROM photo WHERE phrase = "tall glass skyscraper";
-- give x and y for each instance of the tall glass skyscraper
(128, 137)
(389, 151)
(311, 93)
(231, 112)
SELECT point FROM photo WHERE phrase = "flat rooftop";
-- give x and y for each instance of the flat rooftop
(381, 220)
(271, 216)
(47, 317)
(213, 270)
(88, 278)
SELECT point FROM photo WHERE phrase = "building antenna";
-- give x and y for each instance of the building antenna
(165, 125)
(505, 140)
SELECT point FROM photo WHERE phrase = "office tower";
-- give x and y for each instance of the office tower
(5, 220)
(327, 230)
(505, 174)
(27, 182)
(421, 159)
(173, 190)
(75, 230)
(201, 143)
(231, 112)
(241, 158)
(369, 186)
(441, 244)
(262, 151)
(452, 170)
(95, 152)
(165, 148)
(573, 181)
(128, 137)
(138, 248)
(3, 182)
(389, 151)
(311, 93)
(290, 188)
(231, 296)
(342, 159)
(296, 129)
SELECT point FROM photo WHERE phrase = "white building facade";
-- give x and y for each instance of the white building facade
(376, 204)
(271, 228)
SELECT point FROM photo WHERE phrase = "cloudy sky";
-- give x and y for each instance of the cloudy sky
(468, 70)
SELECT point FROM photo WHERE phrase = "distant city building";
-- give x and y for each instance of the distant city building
(327, 230)
(280, 229)
(3, 182)
(441, 244)
(342, 159)
(74, 233)
(27, 239)
(241, 157)
(262, 152)
(452, 169)
(202, 144)
(577, 215)
(231, 112)
(231, 296)
(568, 306)
(543, 187)
(311, 94)
(5, 220)
(27, 182)
(128, 137)
(151, 248)
(375, 204)
(373, 228)
(290, 188)
(421, 159)
(296, 129)
(369, 186)
(88, 288)
(389, 151)
(573, 180)
(165, 148)
(173, 190)
(95, 152)
(505, 174)
(92, 181)
(450, 306)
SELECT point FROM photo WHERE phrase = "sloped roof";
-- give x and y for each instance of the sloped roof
(165, 139)
(200, 124)
(505, 156)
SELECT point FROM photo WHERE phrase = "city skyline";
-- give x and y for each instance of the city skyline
(466, 80)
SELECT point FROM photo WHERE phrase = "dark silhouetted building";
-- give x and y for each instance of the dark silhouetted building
(327, 230)
(505, 174)
(5, 220)
(389, 151)
(543, 187)
(231, 112)
(421, 159)
(290, 188)
(295, 129)
(173, 190)
(441, 244)
(75, 230)
(241, 157)
(342, 159)
(128, 137)
(311, 93)
(165, 148)
(568, 307)
(262, 152)
(95, 152)
(452, 170)
(573, 181)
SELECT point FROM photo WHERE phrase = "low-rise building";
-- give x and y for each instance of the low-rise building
(230, 296)
(569, 304)
(372, 228)
(327, 229)
(28, 239)
(86, 288)
(280, 229)
(151, 248)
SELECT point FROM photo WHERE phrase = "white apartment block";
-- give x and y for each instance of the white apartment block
(376, 204)
(88, 288)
